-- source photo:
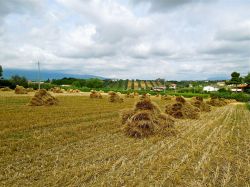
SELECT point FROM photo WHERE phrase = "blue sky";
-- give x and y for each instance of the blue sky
(144, 39)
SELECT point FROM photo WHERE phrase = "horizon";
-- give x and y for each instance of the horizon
(127, 39)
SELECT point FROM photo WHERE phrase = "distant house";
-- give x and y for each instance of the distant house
(172, 86)
(210, 89)
(158, 88)
(242, 87)
(221, 84)
(236, 90)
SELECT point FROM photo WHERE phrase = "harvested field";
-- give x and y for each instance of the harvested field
(41, 146)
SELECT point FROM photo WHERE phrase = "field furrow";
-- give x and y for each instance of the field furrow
(80, 143)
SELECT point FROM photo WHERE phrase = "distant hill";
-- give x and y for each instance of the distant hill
(32, 74)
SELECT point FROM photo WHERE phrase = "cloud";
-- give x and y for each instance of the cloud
(112, 38)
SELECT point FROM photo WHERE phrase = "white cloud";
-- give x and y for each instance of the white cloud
(113, 38)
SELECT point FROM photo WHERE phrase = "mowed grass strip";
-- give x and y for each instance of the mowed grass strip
(79, 142)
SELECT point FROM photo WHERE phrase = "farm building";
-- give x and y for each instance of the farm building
(172, 86)
(243, 87)
(210, 89)
(159, 88)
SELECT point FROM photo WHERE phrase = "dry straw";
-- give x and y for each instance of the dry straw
(217, 102)
(145, 96)
(95, 95)
(182, 109)
(6, 89)
(199, 103)
(20, 90)
(56, 90)
(129, 95)
(115, 97)
(43, 98)
(146, 119)
(166, 97)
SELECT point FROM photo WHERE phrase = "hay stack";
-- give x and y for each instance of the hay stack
(136, 94)
(144, 96)
(199, 103)
(166, 97)
(115, 98)
(43, 98)
(20, 90)
(95, 95)
(146, 119)
(217, 102)
(129, 95)
(182, 109)
(57, 90)
(6, 89)
(30, 90)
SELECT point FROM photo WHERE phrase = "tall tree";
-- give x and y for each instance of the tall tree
(247, 78)
(235, 78)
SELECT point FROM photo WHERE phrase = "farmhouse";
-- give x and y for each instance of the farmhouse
(172, 86)
(210, 89)
(159, 88)
(243, 87)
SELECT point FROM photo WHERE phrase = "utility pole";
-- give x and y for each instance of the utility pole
(39, 81)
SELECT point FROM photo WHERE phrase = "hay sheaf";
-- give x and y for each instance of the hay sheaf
(199, 103)
(115, 97)
(129, 95)
(20, 90)
(181, 109)
(30, 90)
(56, 90)
(217, 102)
(145, 96)
(72, 91)
(95, 95)
(145, 120)
(5, 89)
(43, 98)
(166, 97)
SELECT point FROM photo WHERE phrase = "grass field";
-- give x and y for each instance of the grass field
(79, 143)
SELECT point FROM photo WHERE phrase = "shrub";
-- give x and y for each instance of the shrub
(242, 97)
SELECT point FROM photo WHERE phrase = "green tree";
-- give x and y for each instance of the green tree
(18, 80)
(1, 71)
(94, 83)
(235, 78)
(76, 84)
(247, 78)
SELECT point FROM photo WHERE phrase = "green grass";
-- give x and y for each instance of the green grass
(248, 106)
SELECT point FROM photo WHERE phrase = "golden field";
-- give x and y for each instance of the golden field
(80, 143)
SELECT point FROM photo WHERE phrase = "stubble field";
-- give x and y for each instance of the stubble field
(80, 143)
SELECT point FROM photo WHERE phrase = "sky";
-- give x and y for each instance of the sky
(134, 39)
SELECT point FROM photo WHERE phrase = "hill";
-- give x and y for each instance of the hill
(32, 74)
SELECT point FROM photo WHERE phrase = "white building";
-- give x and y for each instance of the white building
(210, 89)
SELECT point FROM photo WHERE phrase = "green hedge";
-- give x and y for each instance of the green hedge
(242, 97)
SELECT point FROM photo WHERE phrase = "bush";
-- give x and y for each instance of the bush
(45, 86)
(242, 97)
(21, 81)
(7, 83)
